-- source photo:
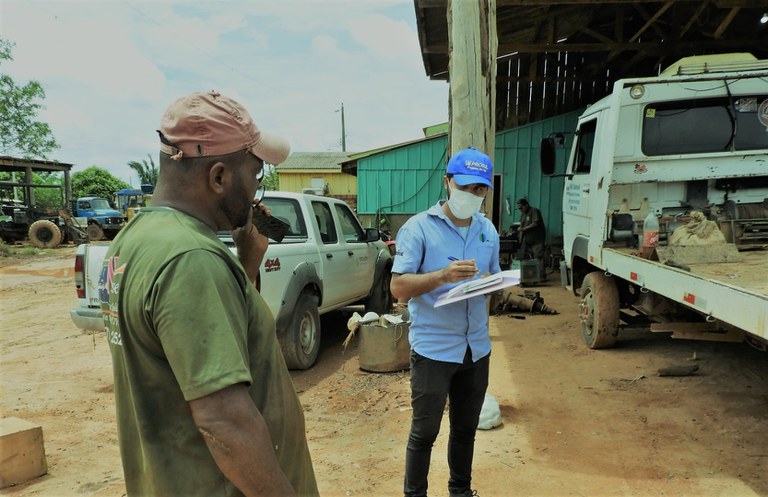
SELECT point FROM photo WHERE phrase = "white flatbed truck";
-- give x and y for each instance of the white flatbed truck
(694, 138)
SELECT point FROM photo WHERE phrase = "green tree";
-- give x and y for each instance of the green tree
(49, 198)
(96, 181)
(147, 171)
(271, 180)
(21, 134)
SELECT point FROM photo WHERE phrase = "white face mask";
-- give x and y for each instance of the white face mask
(463, 204)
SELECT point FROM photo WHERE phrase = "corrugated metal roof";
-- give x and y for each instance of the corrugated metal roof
(314, 160)
(353, 158)
(436, 129)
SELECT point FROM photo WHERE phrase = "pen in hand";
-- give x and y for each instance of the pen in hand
(464, 270)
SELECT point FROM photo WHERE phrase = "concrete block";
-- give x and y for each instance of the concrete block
(22, 454)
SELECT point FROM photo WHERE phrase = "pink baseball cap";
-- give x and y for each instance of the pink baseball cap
(207, 124)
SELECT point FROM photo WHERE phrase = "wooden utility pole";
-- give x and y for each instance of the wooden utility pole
(472, 48)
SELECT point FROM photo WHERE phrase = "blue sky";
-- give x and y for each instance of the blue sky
(111, 67)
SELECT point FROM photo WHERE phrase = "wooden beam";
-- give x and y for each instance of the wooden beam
(721, 4)
(724, 25)
(527, 78)
(650, 22)
(618, 33)
(693, 19)
(596, 35)
(698, 331)
(651, 47)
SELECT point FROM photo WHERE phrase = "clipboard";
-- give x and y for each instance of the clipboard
(476, 287)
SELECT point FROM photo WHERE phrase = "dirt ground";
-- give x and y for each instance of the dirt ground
(576, 422)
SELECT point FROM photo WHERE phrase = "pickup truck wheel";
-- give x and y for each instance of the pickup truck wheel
(95, 233)
(301, 342)
(44, 234)
(380, 300)
(599, 310)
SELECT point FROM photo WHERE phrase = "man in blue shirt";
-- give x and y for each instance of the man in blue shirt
(450, 346)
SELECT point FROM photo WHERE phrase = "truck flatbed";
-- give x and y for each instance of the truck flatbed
(747, 274)
(733, 292)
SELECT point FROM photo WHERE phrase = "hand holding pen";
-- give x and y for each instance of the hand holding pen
(459, 270)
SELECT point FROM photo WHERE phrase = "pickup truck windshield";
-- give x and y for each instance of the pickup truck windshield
(704, 125)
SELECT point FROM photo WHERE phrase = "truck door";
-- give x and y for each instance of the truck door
(361, 255)
(84, 209)
(335, 272)
(580, 185)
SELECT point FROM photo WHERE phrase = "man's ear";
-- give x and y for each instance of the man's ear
(219, 177)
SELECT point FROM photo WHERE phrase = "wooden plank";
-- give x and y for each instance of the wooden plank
(726, 22)
(23, 453)
(698, 331)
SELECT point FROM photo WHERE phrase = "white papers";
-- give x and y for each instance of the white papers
(474, 285)
(482, 286)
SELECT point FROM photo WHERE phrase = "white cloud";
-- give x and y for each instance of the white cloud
(386, 37)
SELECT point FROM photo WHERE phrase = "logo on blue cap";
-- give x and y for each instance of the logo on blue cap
(471, 166)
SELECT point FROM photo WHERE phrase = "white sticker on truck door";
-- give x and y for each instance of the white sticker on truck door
(573, 196)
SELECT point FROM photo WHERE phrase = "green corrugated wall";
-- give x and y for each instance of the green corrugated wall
(408, 179)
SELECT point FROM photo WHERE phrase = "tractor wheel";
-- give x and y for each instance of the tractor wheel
(599, 310)
(44, 234)
(301, 341)
(95, 233)
(380, 300)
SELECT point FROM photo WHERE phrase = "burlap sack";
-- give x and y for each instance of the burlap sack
(698, 231)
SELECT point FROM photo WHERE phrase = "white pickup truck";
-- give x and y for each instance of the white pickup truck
(326, 261)
(692, 139)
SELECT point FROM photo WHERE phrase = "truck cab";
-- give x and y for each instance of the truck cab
(103, 220)
(689, 142)
(668, 144)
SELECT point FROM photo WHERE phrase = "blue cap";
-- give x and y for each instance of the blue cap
(471, 166)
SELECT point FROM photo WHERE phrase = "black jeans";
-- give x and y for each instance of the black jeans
(464, 385)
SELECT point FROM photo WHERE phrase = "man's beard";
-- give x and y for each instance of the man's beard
(235, 205)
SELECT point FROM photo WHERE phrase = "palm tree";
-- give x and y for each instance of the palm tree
(147, 171)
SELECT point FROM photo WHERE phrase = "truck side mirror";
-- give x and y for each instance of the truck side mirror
(547, 156)
(372, 235)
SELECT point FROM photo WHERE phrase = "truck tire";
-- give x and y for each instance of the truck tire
(95, 233)
(44, 234)
(599, 311)
(380, 300)
(301, 341)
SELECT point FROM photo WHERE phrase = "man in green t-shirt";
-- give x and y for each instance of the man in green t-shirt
(205, 403)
